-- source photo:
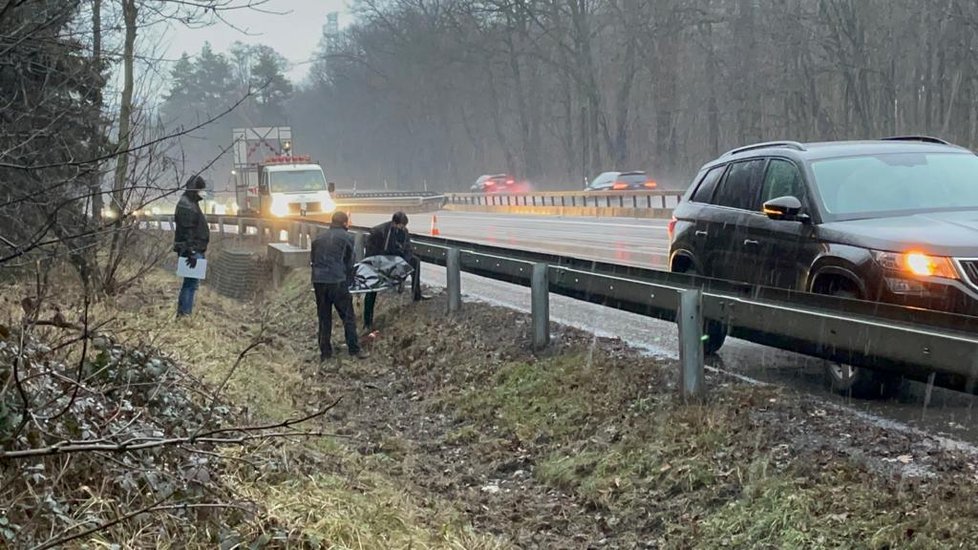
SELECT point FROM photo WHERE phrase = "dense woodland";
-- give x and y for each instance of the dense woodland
(415, 93)
(445, 90)
(436, 92)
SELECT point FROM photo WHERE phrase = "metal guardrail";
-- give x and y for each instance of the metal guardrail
(572, 199)
(919, 344)
(405, 199)
(354, 193)
(914, 343)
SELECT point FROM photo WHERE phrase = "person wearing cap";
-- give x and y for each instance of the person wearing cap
(332, 260)
(392, 239)
(190, 238)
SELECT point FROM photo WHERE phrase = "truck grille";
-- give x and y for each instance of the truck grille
(970, 270)
(312, 207)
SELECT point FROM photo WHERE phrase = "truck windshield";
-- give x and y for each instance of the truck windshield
(297, 181)
(897, 182)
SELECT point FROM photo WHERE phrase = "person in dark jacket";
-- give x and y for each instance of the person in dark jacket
(392, 239)
(190, 238)
(332, 273)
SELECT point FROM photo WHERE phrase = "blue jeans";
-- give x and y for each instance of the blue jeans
(185, 302)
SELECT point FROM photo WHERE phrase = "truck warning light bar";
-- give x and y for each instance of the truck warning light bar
(288, 159)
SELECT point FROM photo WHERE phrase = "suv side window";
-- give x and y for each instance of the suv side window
(704, 192)
(741, 186)
(782, 180)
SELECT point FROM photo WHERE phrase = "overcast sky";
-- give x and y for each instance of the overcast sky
(295, 34)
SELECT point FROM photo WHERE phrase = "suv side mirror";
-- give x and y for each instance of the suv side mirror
(785, 208)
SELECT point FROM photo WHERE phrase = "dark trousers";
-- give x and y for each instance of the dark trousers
(370, 300)
(185, 300)
(328, 296)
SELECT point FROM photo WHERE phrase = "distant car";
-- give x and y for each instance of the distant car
(893, 220)
(495, 183)
(635, 180)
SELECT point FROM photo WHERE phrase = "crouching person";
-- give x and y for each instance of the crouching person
(332, 273)
(392, 239)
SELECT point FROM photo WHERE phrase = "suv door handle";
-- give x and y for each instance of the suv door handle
(701, 233)
(750, 242)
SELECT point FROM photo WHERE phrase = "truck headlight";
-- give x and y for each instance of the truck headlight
(280, 208)
(327, 205)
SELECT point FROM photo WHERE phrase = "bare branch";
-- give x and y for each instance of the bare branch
(143, 443)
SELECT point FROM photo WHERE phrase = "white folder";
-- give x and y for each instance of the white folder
(184, 270)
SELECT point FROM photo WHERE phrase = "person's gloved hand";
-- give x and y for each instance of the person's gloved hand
(192, 260)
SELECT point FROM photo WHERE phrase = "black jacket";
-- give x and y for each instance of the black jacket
(192, 233)
(386, 240)
(332, 256)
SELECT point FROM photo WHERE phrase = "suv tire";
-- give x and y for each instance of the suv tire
(858, 382)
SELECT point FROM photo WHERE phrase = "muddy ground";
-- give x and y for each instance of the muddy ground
(587, 446)
(453, 434)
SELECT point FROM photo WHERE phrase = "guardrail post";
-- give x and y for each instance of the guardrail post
(241, 229)
(358, 249)
(220, 227)
(294, 238)
(262, 235)
(453, 276)
(690, 320)
(540, 306)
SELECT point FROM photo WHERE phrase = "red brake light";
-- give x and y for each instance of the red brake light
(671, 228)
(510, 182)
(490, 182)
(650, 184)
(619, 185)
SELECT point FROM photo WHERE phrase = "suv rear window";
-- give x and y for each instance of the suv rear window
(704, 192)
(740, 188)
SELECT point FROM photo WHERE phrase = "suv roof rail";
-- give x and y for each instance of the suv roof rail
(632, 173)
(924, 139)
(767, 144)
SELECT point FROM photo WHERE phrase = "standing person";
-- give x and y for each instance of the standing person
(392, 239)
(190, 238)
(332, 273)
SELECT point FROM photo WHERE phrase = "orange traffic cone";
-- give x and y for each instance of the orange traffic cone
(434, 226)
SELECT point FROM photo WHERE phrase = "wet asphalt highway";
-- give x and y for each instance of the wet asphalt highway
(628, 241)
(644, 243)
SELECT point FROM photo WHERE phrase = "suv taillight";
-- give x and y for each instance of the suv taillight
(671, 228)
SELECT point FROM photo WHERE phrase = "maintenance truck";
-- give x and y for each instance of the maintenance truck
(271, 181)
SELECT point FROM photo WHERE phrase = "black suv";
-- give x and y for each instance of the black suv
(893, 220)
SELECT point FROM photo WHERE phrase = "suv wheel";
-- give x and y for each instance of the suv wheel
(715, 331)
(851, 381)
